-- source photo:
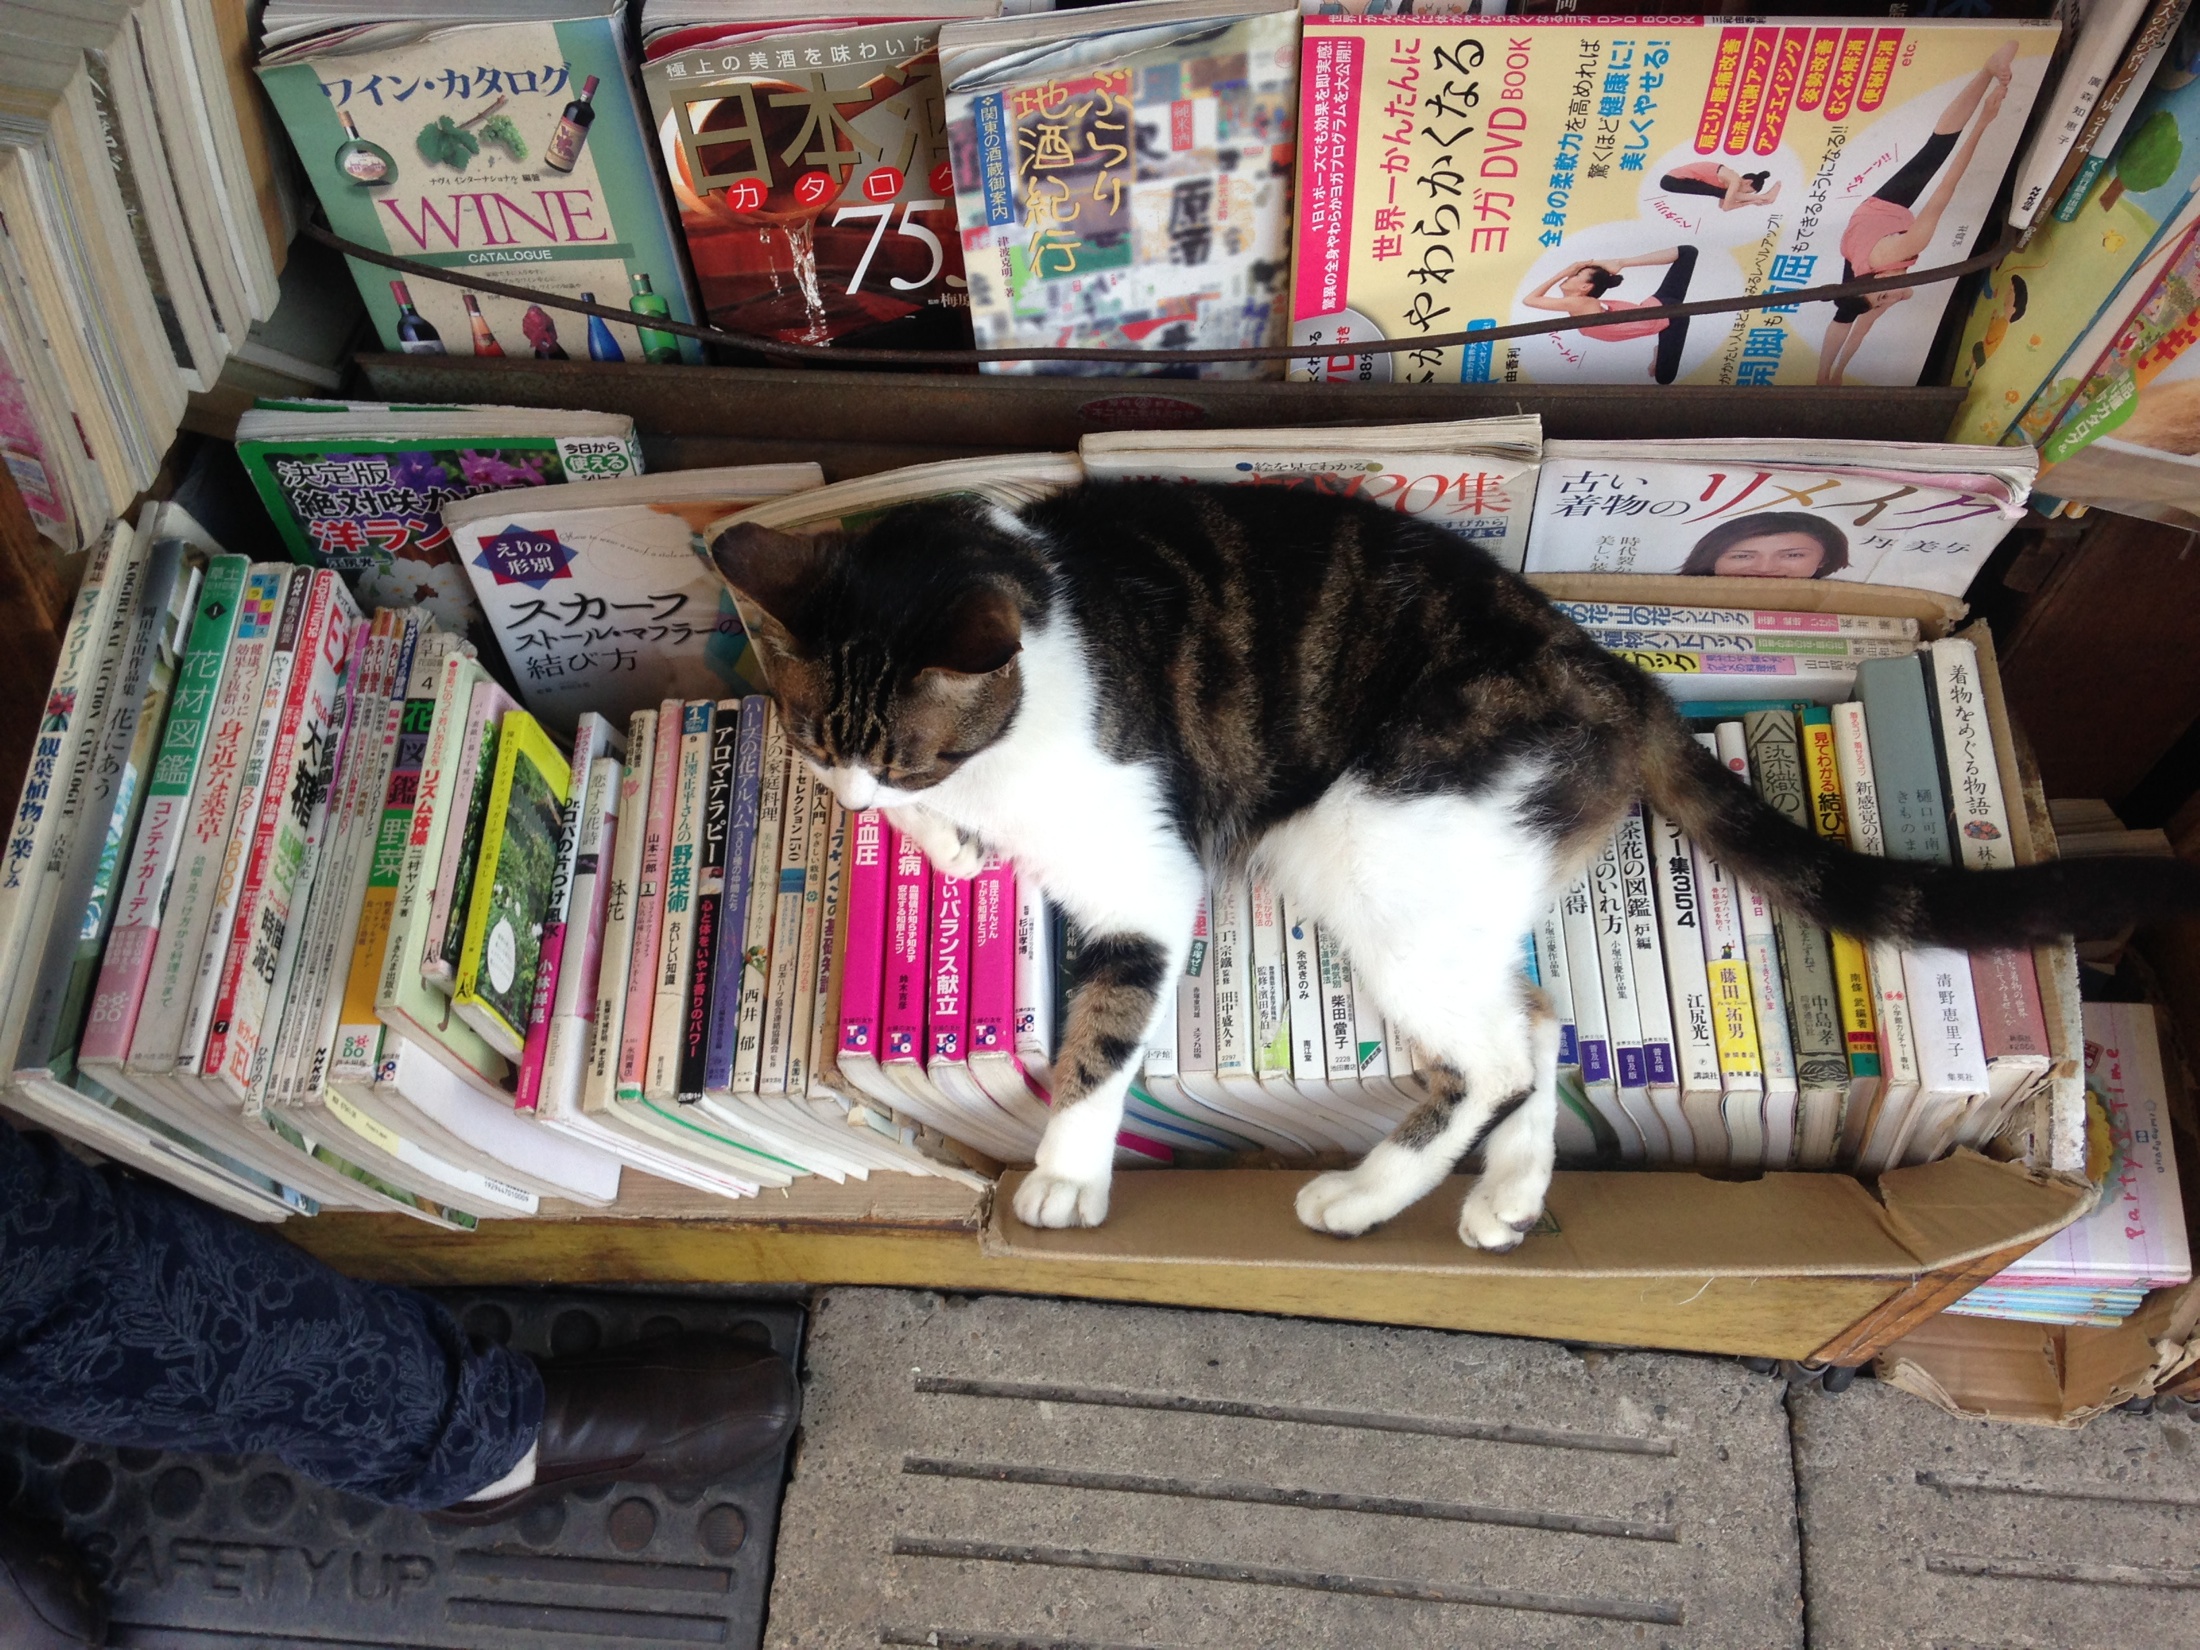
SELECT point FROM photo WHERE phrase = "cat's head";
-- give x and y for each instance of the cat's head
(892, 653)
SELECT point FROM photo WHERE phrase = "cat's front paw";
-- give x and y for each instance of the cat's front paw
(1050, 1199)
(1499, 1216)
(1344, 1202)
(951, 849)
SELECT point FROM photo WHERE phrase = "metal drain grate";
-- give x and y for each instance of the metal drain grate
(202, 1552)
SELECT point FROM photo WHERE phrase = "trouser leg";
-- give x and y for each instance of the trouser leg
(132, 1314)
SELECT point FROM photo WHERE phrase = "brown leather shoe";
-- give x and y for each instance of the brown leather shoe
(684, 1410)
(46, 1601)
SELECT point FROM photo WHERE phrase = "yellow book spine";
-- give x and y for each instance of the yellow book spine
(1851, 964)
(1734, 1020)
(521, 743)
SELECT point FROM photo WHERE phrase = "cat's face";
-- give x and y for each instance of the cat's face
(888, 678)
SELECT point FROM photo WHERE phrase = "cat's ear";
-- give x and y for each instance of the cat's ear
(977, 636)
(770, 573)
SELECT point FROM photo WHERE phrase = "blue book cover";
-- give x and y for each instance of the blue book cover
(1913, 807)
(725, 995)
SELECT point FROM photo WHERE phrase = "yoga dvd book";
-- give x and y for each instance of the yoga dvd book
(1464, 172)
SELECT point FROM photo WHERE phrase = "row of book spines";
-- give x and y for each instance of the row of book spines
(1798, 1014)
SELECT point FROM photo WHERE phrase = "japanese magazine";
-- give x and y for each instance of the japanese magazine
(601, 597)
(1125, 184)
(810, 171)
(359, 487)
(1875, 512)
(513, 149)
(1468, 171)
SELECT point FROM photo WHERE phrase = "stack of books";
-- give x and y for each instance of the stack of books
(135, 249)
(2099, 1270)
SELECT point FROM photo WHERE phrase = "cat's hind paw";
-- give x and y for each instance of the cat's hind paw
(1049, 1199)
(1500, 1217)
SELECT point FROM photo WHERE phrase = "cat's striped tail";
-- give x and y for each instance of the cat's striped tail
(1896, 899)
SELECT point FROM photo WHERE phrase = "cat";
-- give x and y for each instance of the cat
(1130, 688)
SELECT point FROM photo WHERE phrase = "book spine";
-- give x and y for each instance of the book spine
(710, 896)
(1340, 1028)
(1913, 811)
(863, 978)
(1229, 906)
(1774, 751)
(1647, 958)
(1688, 987)
(1374, 1047)
(208, 978)
(299, 971)
(499, 1019)
(573, 1015)
(453, 893)
(740, 878)
(947, 1007)
(1034, 987)
(993, 959)
(1851, 962)
(1271, 989)
(1768, 987)
(1195, 1006)
(591, 737)
(332, 916)
(1302, 978)
(808, 936)
(786, 930)
(358, 1043)
(683, 866)
(1622, 1009)
(1593, 1036)
(599, 1089)
(1691, 674)
(756, 941)
(1735, 620)
(827, 976)
(908, 934)
(1870, 1136)
(292, 815)
(1851, 648)
(1553, 976)
(209, 825)
(1733, 1007)
(655, 822)
(139, 905)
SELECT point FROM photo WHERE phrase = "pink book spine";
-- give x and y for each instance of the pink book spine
(863, 971)
(649, 901)
(282, 764)
(2011, 1020)
(947, 1007)
(902, 997)
(992, 968)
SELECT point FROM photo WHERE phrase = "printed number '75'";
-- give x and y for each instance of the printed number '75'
(882, 216)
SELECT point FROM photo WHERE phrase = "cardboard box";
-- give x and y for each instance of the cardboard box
(1818, 1266)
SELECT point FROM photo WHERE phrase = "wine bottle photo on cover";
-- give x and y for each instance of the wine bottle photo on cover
(485, 341)
(601, 345)
(657, 344)
(364, 163)
(564, 148)
(416, 335)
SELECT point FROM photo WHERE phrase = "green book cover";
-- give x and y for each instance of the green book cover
(511, 894)
(514, 149)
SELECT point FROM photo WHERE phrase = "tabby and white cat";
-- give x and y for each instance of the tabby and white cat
(1131, 688)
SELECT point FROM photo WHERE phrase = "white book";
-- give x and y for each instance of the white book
(1647, 951)
(675, 961)
(1237, 1025)
(1622, 1010)
(580, 970)
(1554, 974)
(1271, 992)
(1034, 985)
(786, 932)
(1340, 1026)
(600, 1083)
(1302, 980)
(1735, 620)
(809, 937)
(1951, 1053)
(1733, 1008)
(1688, 988)
(1768, 993)
(1197, 1035)
(1593, 1039)
(1378, 1076)
(1872, 1137)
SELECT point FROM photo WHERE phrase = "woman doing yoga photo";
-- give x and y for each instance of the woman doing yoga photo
(1579, 289)
(1731, 189)
(1885, 236)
